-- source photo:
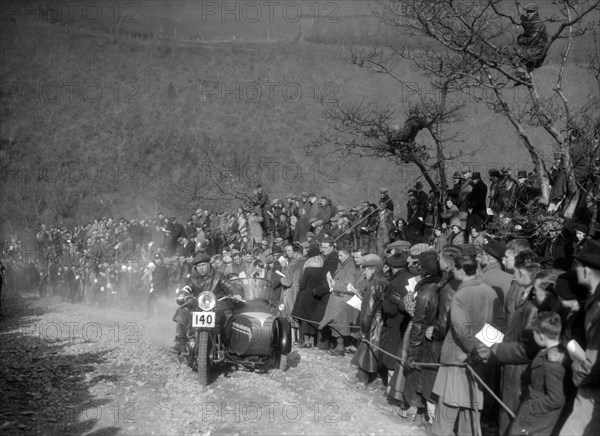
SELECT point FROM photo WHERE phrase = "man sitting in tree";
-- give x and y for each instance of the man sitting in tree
(532, 43)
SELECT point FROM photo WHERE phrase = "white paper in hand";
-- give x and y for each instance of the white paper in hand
(355, 302)
(412, 283)
(353, 290)
(490, 335)
(576, 352)
(330, 281)
(279, 273)
(242, 275)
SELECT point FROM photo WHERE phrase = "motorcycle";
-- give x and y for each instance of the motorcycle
(256, 335)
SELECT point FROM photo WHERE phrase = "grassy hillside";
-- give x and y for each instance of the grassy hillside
(96, 123)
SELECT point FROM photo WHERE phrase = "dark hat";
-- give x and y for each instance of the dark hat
(582, 228)
(522, 174)
(304, 194)
(531, 7)
(429, 262)
(495, 249)
(457, 175)
(372, 260)
(476, 175)
(590, 254)
(200, 257)
(419, 185)
(494, 173)
(397, 260)
(327, 240)
(567, 287)
(276, 249)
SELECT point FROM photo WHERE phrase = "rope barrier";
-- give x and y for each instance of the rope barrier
(427, 365)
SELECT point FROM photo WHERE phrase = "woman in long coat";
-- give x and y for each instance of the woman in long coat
(419, 380)
(306, 304)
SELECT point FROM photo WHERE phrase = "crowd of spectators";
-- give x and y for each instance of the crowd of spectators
(428, 281)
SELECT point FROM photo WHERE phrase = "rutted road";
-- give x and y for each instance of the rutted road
(77, 369)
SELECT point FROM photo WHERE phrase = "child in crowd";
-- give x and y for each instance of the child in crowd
(543, 394)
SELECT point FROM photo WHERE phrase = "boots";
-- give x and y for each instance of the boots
(339, 349)
(321, 343)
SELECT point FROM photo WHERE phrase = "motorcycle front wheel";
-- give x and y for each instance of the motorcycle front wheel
(203, 358)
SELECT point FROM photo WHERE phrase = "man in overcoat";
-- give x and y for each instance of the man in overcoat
(473, 305)
(338, 312)
(368, 358)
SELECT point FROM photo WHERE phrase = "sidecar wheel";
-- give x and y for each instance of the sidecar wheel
(203, 346)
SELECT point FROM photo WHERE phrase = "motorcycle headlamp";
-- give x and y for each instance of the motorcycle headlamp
(207, 300)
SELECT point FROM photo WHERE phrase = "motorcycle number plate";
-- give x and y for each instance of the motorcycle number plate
(203, 319)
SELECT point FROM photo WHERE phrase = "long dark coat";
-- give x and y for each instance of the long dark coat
(395, 317)
(543, 397)
(307, 305)
(366, 357)
(420, 380)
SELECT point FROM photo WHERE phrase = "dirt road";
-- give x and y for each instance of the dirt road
(76, 369)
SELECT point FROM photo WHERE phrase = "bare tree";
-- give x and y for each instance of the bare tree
(470, 51)
(474, 34)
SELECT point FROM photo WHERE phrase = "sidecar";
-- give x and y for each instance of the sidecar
(257, 335)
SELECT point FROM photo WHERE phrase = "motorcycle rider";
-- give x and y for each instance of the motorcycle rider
(203, 277)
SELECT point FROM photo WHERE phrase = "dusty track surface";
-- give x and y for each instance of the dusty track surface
(76, 369)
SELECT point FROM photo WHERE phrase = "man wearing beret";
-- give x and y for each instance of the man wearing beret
(202, 278)
(585, 419)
